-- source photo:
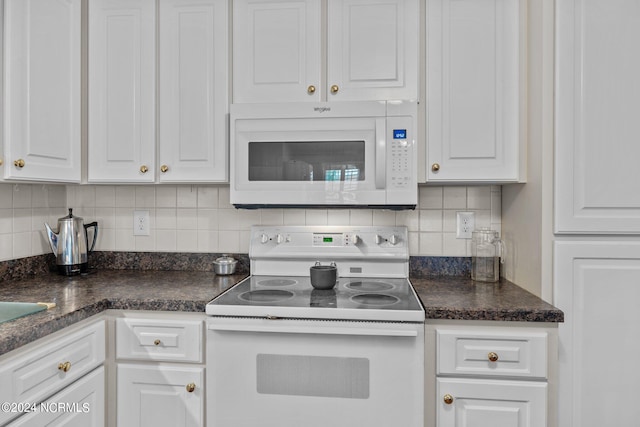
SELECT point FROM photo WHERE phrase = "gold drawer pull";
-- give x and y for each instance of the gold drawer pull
(191, 387)
(448, 399)
(19, 163)
(64, 367)
(144, 169)
(311, 89)
(334, 88)
(157, 342)
(493, 357)
(435, 167)
(164, 168)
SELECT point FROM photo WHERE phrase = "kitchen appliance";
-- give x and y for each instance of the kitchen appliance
(281, 353)
(344, 154)
(71, 245)
(487, 252)
(225, 265)
(323, 277)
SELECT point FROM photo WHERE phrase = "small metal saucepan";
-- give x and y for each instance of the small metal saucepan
(323, 276)
(224, 265)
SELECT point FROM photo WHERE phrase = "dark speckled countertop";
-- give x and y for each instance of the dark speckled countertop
(80, 297)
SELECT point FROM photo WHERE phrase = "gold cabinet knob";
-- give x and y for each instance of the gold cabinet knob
(64, 367)
(164, 168)
(191, 387)
(311, 89)
(435, 167)
(19, 163)
(157, 342)
(448, 399)
(493, 357)
(334, 88)
(1, 162)
(144, 169)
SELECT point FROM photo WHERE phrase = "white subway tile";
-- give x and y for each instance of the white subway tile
(166, 241)
(85, 197)
(39, 243)
(125, 196)
(166, 196)
(496, 208)
(186, 240)
(431, 220)
(6, 196)
(316, 217)
(106, 217)
(21, 196)
(450, 220)
(455, 198)
(338, 217)
(186, 219)
(208, 197)
(451, 246)
(105, 196)
(124, 220)
(294, 217)
(187, 196)
(6, 221)
(106, 240)
(21, 220)
(145, 196)
(6, 247)
(57, 196)
(362, 217)
(145, 243)
(409, 218)
(271, 216)
(223, 198)
(209, 241)
(384, 217)
(208, 219)
(228, 220)
(245, 236)
(247, 218)
(166, 219)
(22, 244)
(431, 244)
(125, 240)
(39, 196)
(479, 197)
(229, 242)
(430, 197)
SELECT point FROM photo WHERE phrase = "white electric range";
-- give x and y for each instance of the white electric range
(281, 353)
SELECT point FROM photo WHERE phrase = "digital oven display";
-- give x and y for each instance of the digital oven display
(327, 239)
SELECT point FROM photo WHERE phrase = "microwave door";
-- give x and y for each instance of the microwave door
(322, 167)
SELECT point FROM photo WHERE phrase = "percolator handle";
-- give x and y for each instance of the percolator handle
(95, 234)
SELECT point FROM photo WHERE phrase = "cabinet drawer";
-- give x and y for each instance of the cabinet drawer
(161, 340)
(47, 369)
(487, 353)
(84, 405)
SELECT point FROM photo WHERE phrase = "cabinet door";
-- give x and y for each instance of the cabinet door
(276, 50)
(83, 405)
(160, 396)
(597, 127)
(193, 100)
(122, 86)
(495, 403)
(372, 49)
(473, 90)
(597, 285)
(42, 90)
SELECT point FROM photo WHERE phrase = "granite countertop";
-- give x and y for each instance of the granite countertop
(80, 297)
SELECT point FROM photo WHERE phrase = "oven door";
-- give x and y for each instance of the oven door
(292, 373)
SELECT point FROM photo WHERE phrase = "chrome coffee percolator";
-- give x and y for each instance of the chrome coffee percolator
(70, 244)
(486, 255)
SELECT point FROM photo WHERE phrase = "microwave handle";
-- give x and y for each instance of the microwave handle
(381, 154)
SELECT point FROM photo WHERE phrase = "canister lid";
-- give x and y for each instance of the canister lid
(225, 259)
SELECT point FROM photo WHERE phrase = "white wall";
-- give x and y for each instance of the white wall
(200, 218)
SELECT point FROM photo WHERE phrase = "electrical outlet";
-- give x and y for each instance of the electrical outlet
(141, 223)
(466, 223)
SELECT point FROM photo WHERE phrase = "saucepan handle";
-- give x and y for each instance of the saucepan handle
(95, 234)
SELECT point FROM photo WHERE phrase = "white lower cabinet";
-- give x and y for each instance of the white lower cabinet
(490, 373)
(160, 378)
(81, 404)
(55, 364)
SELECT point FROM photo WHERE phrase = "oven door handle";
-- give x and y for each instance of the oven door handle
(319, 330)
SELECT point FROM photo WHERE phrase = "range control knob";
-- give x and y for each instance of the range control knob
(354, 239)
(264, 238)
(394, 239)
(379, 239)
(279, 238)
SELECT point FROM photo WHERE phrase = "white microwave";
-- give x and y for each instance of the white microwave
(340, 154)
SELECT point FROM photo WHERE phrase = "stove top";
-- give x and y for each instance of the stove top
(372, 265)
(373, 299)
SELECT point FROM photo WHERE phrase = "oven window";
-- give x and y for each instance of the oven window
(307, 161)
(319, 376)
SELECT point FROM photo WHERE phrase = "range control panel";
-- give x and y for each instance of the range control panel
(368, 250)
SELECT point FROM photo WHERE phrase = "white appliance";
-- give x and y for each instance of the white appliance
(281, 353)
(346, 154)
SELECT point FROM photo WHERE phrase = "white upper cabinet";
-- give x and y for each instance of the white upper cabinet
(185, 85)
(474, 89)
(42, 90)
(122, 87)
(193, 89)
(285, 51)
(597, 178)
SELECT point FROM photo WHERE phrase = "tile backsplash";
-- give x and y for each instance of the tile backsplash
(199, 218)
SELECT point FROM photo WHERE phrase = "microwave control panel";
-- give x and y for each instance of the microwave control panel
(400, 151)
